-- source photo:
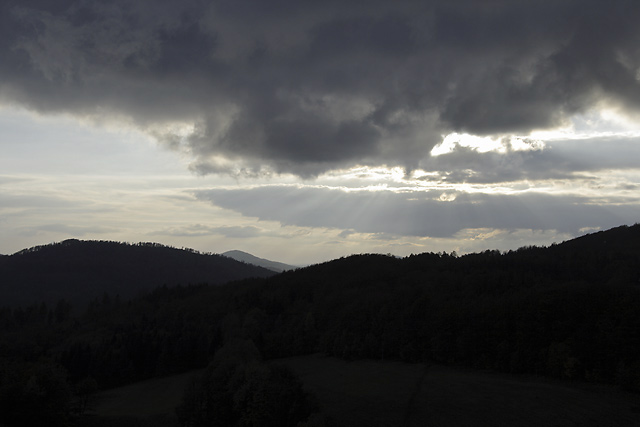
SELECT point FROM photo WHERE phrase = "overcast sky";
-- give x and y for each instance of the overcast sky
(302, 131)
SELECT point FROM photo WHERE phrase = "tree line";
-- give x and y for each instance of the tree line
(568, 311)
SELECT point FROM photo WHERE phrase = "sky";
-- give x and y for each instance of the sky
(302, 131)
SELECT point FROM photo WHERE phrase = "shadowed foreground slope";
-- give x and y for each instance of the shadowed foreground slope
(376, 394)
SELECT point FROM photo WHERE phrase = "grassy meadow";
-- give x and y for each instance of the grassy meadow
(380, 394)
(377, 394)
(146, 403)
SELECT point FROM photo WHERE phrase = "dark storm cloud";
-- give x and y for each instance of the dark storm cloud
(425, 214)
(307, 86)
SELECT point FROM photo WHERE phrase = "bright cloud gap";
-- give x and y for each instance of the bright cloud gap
(484, 144)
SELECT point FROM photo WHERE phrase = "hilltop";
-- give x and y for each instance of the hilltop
(278, 267)
(79, 271)
(567, 312)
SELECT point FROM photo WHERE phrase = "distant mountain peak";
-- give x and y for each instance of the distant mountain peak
(261, 262)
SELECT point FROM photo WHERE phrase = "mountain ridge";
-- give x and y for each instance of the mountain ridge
(81, 270)
(565, 312)
(242, 256)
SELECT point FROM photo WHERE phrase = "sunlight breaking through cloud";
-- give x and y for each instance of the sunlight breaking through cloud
(335, 125)
(485, 144)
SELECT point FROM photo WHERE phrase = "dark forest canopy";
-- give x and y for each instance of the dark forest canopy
(568, 311)
(79, 271)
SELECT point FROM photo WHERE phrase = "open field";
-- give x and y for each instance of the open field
(375, 393)
(147, 403)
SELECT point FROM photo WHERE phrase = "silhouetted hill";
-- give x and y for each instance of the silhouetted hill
(619, 239)
(79, 271)
(568, 311)
(261, 262)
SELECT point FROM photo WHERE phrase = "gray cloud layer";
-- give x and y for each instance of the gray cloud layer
(418, 213)
(239, 232)
(307, 86)
(562, 159)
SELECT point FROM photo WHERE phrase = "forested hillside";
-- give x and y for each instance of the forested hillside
(79, 271)
(569, 311)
